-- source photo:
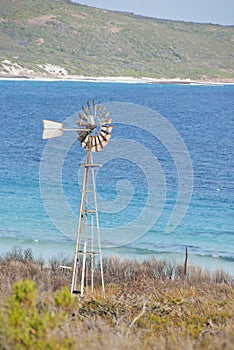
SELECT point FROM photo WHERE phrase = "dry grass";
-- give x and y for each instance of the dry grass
(148, 305)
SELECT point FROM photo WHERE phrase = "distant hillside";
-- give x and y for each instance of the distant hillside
(46, 37)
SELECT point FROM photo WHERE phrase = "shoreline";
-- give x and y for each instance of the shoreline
(119, 79)
(210, 263)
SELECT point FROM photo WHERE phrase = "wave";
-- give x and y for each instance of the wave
(14, 238)
(224, 256)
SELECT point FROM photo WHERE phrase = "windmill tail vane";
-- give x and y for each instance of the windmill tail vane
(94, 132)
(53, 129)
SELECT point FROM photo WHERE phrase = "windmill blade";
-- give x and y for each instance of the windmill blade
(105, 141)
(89, 106)
(85, 142)
(84, 110)
(108, 121)
(94, 108)
(107, 129)
(91, 122)
(96, 144)
(82, 124)
(99, 140)
(93, 143)
(100, 143)
(97, 108)
(99, 147)
(99, 105)
(52, 129)
(79, 123)
(105, 136)
(103, 109)
(82, 116)
(105, 114)
(82, 135)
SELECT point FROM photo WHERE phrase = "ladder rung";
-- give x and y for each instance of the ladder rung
(89, 211)
(81, 251)
(91, 165)
(65, 267)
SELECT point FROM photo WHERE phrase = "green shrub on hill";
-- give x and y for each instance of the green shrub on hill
(93, 42)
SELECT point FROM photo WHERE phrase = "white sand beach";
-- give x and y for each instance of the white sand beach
(10, 70)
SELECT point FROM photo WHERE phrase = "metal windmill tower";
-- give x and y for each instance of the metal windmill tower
(94, 133)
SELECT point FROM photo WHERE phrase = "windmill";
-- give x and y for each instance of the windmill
(94, 132)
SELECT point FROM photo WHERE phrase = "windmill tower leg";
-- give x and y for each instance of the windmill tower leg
(86, 232)
(98, 229)
(79, 230)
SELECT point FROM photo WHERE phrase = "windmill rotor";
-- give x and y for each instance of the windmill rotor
(98, 129)
(94, 127)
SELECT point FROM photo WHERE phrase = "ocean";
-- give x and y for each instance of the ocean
(167, 177)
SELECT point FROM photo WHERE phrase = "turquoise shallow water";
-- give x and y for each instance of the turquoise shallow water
(202, 116)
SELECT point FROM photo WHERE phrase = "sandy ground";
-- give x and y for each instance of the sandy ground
(129, 80)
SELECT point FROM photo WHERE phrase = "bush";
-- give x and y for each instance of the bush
(22, 326)
(147, 305)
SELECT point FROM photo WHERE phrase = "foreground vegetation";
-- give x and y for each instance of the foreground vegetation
(93, 42)
(148, 305)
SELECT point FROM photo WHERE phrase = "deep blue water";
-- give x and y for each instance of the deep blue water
(203, 117)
